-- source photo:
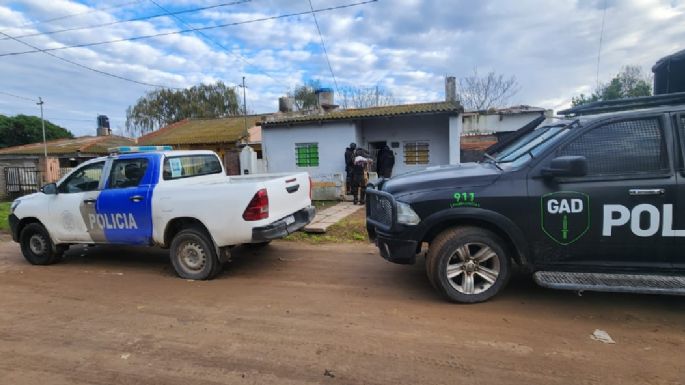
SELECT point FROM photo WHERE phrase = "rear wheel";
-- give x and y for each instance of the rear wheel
(36, 245)
(468, 264)
(193, 255)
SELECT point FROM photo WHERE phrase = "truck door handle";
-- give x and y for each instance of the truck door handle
(292, 189)
(89, 201)
(136, 198)
(648, 191)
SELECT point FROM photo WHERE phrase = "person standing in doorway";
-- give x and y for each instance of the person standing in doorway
(385, 162)
(360, 176)
(349, 162)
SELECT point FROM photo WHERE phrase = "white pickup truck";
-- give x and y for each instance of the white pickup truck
(181, 200)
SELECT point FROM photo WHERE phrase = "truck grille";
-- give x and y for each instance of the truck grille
(380, 208)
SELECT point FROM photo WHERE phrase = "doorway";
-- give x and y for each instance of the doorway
(374, 148)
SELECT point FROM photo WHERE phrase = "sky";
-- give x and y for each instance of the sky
(404, 46)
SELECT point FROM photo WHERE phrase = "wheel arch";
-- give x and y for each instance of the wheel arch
(23, 223)
(490, 220)
(181, 223)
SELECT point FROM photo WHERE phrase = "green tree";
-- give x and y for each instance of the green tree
(162, 107)
(304, 96)
(629, 83)
(24, 129)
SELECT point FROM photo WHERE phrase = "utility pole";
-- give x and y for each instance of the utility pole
(247, 133)
(42, 122)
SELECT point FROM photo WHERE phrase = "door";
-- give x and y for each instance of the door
(617, 215)
(72, 208)
(678, 253)
(124, 207)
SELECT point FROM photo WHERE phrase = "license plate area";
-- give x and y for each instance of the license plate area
(289, 220)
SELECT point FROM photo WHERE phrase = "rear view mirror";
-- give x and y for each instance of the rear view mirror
(569, 166)
(49, 189)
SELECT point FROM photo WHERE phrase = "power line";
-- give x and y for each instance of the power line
(241, 57)
(141, 18)
(328, 60)
(135, 38)
(84, 66)
(17, 96)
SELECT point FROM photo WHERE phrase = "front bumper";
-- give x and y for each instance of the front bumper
(280, 228)
(395, 250)
(14, 226)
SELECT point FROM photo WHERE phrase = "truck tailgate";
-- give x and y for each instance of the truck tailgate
(287, 194)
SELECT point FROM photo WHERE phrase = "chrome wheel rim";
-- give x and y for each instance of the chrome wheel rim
(473, 268)
(192, 256)
(38, 244)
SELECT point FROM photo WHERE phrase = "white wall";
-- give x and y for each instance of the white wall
(278, 146)
(434, 129)
(493, 123)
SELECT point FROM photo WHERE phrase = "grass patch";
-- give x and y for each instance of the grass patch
(349, 230)
(4, 212)
(321, 205)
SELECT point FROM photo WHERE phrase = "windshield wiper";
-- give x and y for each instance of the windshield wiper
(494, 161)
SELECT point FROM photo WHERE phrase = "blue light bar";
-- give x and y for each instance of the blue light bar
(130, 149)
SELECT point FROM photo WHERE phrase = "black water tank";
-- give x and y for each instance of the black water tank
(103, 121)
(669, 74)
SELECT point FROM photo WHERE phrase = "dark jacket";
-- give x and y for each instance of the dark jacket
(349, 159)
(385, 163)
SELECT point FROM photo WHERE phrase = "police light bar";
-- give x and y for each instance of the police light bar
(130, 149)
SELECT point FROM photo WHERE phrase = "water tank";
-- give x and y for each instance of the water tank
(103, 126)
(325, 97)
(285, 104)
(669, 74)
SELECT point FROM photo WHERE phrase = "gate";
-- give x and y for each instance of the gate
(21, 181)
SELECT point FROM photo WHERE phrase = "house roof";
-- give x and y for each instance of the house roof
(513, 110)
(98, 145)
(365, 113)
(201, 131)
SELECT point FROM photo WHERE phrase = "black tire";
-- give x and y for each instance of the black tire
(193, 255)
(36, 245)
(475, 255)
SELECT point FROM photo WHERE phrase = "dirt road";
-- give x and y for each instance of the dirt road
(296, 314)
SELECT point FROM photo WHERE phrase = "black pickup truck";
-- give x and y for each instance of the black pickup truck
(593, 201)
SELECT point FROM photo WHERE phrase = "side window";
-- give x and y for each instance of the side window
(127, 173)
(86, 178)
(622, 148)
(307, 154)
(190, 165)
(416, 153)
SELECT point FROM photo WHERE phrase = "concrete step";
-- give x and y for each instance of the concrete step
(330, 216)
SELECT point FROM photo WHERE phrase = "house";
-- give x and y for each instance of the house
(23, 169)
(420, 135)
(225, 136)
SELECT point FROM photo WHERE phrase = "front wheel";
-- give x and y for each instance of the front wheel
(193, 255)
(468, 264)
(36, 245)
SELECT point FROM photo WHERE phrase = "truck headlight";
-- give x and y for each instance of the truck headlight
(14, 205)
(406, 215)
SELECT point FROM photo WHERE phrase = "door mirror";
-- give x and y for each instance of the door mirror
(49, 189)
(566, 166)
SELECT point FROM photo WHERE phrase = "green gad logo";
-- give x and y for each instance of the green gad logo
(565, 216)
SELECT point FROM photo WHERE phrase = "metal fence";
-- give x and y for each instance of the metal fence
(21, 181)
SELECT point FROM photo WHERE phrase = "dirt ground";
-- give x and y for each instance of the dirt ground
(308, 314)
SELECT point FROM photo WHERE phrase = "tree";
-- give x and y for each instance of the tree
(304, 96)
(356, 97)
(162, 107)
(629, 83)
(483, 92)
(23, 129)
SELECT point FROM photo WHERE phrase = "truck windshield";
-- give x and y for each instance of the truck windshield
(531, 144)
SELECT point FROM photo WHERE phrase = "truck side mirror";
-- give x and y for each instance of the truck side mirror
(571, 166)
(49, 189)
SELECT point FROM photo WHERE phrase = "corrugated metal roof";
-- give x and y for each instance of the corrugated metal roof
(362, 113)
(201, 131)
(85, 145)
